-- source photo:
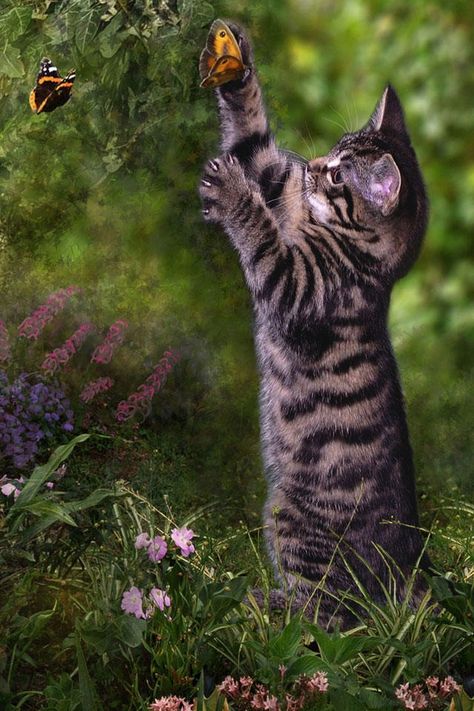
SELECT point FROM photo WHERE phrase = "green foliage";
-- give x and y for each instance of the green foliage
(71, 604)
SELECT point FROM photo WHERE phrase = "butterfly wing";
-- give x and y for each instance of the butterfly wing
(224, 70)
(221, 41)
(51, 89)
(221, 59)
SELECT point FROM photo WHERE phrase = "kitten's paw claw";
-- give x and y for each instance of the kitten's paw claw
(221, 188)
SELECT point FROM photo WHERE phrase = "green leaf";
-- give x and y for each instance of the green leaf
(110, 39)
(35, 623)
(51, 509)
(14, 23)
(92, 500)
(10, 62)
(373, 699)
(86, 29)
(306, 664)
(325, 641)
(42, 473)
(342, 701)
(285, 644)
(86, 685)
(131, 630)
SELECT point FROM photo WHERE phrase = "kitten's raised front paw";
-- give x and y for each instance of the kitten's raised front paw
(222, 189)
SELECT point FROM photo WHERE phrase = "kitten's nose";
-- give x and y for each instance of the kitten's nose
(317, 164)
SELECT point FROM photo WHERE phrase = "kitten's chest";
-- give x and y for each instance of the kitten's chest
(338, 384)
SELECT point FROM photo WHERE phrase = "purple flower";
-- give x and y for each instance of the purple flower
(157, 549)
(182, 538)
(132, 602)
(29, 413)
(159, 598)
(143, 540)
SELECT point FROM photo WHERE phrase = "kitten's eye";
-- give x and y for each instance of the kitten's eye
(336, 176)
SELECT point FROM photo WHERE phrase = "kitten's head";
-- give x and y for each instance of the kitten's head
(370, 188)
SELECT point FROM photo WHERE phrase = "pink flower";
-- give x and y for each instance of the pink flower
(157, 549)
(32, 326)
(5, 351)
(9, 489)
(60, 356)
(293, 704)
(49, 484)
(159, 598)
(318, 682)
(132, 602)
(114, 338)
(229, 687)
(413, 699)
(140, 400)
(143, 540)
(182, 538)
(448, 686)
(171, 703)
(94, 387)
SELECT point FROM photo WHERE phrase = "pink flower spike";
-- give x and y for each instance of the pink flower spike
(32, 326)
(448, 686)
(114, 338)
(49, 484)
(159, 598)
(94, 387)
(182, 539)
(319, 682)
(157, 549)
(171, 703)
(143, 540)
(132, 602)
(140, 401)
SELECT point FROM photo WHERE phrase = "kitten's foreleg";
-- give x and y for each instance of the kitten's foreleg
(235, 202)
(242, 112)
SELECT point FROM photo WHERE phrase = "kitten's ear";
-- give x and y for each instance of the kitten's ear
(384, 184)
(388, 114)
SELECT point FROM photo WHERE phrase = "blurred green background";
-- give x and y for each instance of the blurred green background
(101, 193)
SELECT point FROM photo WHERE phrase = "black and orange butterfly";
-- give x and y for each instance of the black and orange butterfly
(221, 59)
(51, 90)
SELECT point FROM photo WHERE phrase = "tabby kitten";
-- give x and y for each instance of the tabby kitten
(321, 244)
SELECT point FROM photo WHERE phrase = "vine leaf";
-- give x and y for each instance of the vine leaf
(14, 23)
(86, 29)
(10, 62)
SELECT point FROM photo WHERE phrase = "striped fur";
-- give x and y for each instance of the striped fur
(321, 244)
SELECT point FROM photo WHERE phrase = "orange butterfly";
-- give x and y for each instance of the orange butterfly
(221, 59)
